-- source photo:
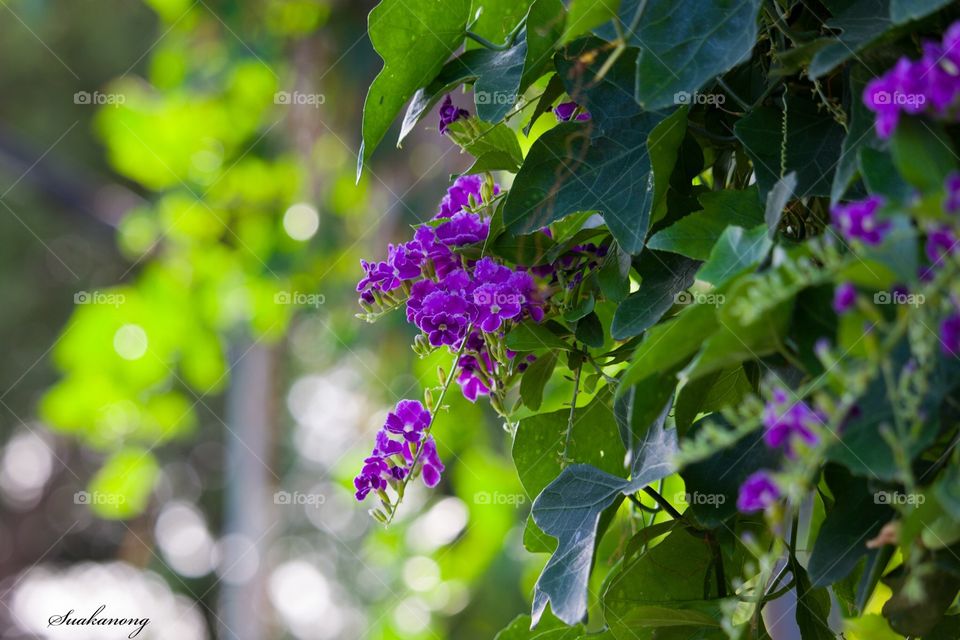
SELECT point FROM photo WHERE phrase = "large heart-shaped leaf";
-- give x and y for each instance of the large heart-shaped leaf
(664, 275)
(684, 44)
(414, 38)
(570, 508)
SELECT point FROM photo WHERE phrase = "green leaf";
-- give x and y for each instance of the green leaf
(777, 200)
(861, 135)
(122, 486)
(590, 330)
(663, 275)
(551, 93)
(664, 145)
(922, 153)
(855, 518)
(570, 508)
(535, 378)
(531, 336)
(864, 22)
(671, 343)
(761, 134)
(414, 38)
(496, 18)
(494, 146)
(585, 15)
(882, 177)
(539, 442)
(905, 10)
(813, 607)
(454, 73)
(684, 44)
(738, 250)
(601, 165)
(814, 141)
(614, 274)
(666, 581)
(709, 394)
(642, 407)
(696, 234)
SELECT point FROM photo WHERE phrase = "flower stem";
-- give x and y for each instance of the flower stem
(426, 432)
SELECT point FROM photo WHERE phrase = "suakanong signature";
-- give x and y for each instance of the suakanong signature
(70, 618)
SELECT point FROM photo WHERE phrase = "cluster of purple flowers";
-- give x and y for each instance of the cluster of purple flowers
(786, 424)
(928, 86)
(858, 220)
(402, 441)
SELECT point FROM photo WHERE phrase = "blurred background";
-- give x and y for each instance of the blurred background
(186, 394)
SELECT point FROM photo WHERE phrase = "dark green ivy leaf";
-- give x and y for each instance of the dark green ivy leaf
(663, 276)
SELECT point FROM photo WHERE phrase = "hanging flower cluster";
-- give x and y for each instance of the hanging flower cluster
(402, 444)
(927, 86)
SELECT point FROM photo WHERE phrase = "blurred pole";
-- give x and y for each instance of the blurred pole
(248, 517)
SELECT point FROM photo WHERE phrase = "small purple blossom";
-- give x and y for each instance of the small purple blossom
(567, 111)
(371, 477)
(430, 463)
(950, 335)
(787, 422)
(408, 420)
(758, 492)
(495, 304)
(450, 113)
(844, 297)
(462, 228)
(460, 194)
(858, 220)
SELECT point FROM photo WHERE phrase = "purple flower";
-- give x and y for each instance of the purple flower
(471, 379)
(758, 492)
(858, 220)
(379, 275)
(496, 303)
(461, 192)
(843, 298)
(371, 477)
(952, 202)
(450, 113)
(385, 446)
(431, 465)
(941, 243)
(408, 420)
(567, 111)
(786, 422)
(950, 335)
(444, 318)
(463, 228)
